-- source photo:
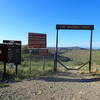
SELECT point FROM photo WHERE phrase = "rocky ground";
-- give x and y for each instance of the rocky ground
(62, 86)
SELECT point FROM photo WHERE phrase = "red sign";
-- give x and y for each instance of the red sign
(36, 40)
(43, 52)
(3, 52)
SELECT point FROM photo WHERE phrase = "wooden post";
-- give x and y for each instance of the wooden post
(43, 63)
(16, 68)
(90, 61)
(4, 73)
(55, 60)
(30, 60)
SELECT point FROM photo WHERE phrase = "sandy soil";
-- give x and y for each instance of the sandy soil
(62, 86)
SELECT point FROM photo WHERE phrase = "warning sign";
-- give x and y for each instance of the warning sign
(36, 40)
(43, 52)
(39, 52)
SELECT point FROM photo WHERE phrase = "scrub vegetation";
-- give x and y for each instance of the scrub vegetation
(70, 57)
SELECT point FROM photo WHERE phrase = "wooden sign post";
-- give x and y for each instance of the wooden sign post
(43, 53)
(14, 52)
(37, 41)
(30, 51)
(3, 57)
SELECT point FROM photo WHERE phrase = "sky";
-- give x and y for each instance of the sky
(18, 17)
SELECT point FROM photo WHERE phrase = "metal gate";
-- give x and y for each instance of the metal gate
(73, 27)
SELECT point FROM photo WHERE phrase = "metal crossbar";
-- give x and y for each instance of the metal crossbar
(72, 68)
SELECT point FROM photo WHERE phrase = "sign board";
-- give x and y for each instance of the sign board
(14, 51)
(43, 52)
(3, 52)
(39, 52)
(35, 52)
(75, 27)
(36, 40)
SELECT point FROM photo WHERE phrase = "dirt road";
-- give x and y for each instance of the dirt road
(62, 86)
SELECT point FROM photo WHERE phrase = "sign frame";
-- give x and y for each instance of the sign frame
(73, 27)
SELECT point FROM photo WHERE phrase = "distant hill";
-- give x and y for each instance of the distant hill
(69, 48)
(52, 49)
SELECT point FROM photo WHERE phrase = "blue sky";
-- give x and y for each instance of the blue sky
(18, 17)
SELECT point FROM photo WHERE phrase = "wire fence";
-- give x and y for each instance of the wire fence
(38, 65)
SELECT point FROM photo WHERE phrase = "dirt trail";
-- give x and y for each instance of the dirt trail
(62, 86)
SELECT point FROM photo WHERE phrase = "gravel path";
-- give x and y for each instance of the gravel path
(62, 86)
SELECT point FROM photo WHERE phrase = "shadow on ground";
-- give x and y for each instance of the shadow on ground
(49, 76)
(54, 79)
(71, 77)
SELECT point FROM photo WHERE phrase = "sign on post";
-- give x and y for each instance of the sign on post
(75, 27)
(3, 52)
(43, 52)
(36, 40)
(39, 52)
(14, 51)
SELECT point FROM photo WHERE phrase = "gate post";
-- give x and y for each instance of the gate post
(90, 61)
(55, 59)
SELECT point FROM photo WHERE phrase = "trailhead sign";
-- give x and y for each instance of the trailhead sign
(75, 27)
(39, 52)
(14, 51)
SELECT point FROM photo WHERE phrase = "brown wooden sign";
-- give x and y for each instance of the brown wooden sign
(43, 52)
(75, 27)
(39, 52)
(14, 51)
(36, 40)
(3, 52)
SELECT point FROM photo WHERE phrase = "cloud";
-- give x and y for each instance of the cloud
(96, 44)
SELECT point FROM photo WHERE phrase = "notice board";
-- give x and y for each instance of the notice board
(14, 51)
